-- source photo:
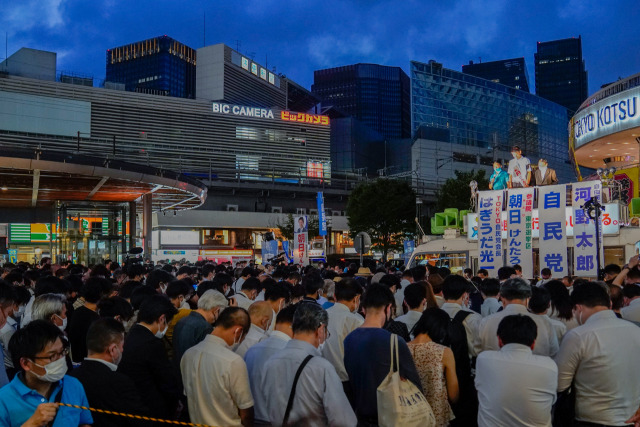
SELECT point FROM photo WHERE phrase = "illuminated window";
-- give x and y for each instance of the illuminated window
(245, 163)
(244, 132)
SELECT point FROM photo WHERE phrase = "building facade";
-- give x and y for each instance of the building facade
(376, 95)
(561, 76)
(159, 66)
(509, 72)
(463, 122)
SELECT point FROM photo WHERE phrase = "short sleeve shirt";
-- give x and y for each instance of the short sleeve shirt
(518, 169)
(18, 402)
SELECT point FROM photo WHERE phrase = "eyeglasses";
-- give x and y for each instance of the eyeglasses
(327, 334)
(54, 356)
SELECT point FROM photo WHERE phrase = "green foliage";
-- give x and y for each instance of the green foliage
(288, 226)
(385, 209)
(455, 192)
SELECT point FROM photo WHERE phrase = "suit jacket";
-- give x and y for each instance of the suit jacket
(111, 391)
(549, 177)
(146, 363)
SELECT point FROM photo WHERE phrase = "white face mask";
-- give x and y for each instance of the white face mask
(160, 333)
(55, 371)
(64, 323)
(236, 342)
(184, 304)
(118, 358)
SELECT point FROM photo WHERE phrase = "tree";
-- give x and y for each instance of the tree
(455, 192)
(385, 209)
(287, 227)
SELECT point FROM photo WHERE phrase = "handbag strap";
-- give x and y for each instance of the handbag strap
(293, 390)
(57, 399)
(397, 352)
(394, 365)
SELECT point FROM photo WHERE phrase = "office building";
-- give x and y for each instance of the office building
(509, 72)
(159, 66)
(462, 122)
(561, 76)
(376, 95)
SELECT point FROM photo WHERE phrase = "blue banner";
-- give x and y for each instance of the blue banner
(285, 249)
(322, 218)
(269, 251)
(409, 246)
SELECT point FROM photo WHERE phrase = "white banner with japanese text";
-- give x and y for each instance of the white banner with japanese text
(584, 229)
(552, 200)
(519, 243)
(490, 204)
(301, 248)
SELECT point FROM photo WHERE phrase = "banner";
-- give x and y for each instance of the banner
(409, 246)
(301, 249)
(519, 229)
(13, 256)
(322, 217)
(285, 249)
(584, 230)
(269, 251)
(552, 200)
(490, 231)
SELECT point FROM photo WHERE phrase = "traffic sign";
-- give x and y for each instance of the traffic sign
(362, 242)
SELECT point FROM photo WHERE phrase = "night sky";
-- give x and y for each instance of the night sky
(299, 37)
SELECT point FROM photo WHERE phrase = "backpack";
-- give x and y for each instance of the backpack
(466, 410)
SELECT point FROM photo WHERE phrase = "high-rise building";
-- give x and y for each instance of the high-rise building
(462, 122)
(509, 72)
(561, 76)
(159, 66)
(376, 95)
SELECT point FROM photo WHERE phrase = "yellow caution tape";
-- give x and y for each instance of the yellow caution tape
(139, 417)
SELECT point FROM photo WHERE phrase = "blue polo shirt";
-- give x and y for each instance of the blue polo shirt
(18, 403)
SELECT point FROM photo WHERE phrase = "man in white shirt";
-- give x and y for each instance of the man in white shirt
(545, 274)
(343, 319)
(631, 310)
(278, 296)
(515, 387)
(455, 290)
(257, 356)
(490, 290)
(514, 294)
(600, 359)
(260, 314)
(319, 399)
(415, 296)
(540, 305)
(248, 293)
(215, 378)
(519, 169)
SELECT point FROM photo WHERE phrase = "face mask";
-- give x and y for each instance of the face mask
(184, 304)
(236, 342)
(542, 166)
(321, 346)
(497, 169)
(163, 288)
(54, 371)
(514, 155)
(355, 306)
(117, 359)
(18, 313)
(64, 323)
(578, 316)
(160, 333)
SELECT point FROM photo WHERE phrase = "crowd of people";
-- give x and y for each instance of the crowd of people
(243, 345)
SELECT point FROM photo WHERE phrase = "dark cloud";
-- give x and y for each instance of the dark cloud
(299, 37)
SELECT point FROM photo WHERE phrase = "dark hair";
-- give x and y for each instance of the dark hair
(540, 300)
(419, 272)
(390, 280)
(308, 318)
(312, 282)
(591, 294)
(156, 277)
(32, 339)
(435, 323)
(7, 294)
(612, 269)
(506, 272)
(135, 270)
(205, 286)
(185, 269)
(444, 272)
(377, 296)
(155, 306)
(560, 299)
(128, 287)
(454, 287)
(22, 295)
(483, 271)
(140, 295)
(207, 269)
(234, 316)
(490, 287)
(177, 288)
(102, 333)
(617, 298)
(251, 284)
(276, 291)
(516, 288)
(631, 291)
(221, 280)
(286, 314)
(545, 272)
(634, 274)
(414, 294)
(247, 271)
(435, 280)
(49, 285)
(468, 271)
(95, 288)
(115, 306)
(518, 329)
(100, 270)
(347, 289)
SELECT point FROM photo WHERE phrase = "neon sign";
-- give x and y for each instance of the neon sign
(304, 118)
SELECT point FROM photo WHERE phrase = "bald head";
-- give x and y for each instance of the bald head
(260, 313)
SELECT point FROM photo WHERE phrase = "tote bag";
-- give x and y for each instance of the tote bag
(401, 403)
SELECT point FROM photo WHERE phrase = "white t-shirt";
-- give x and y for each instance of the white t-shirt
(518, 169)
